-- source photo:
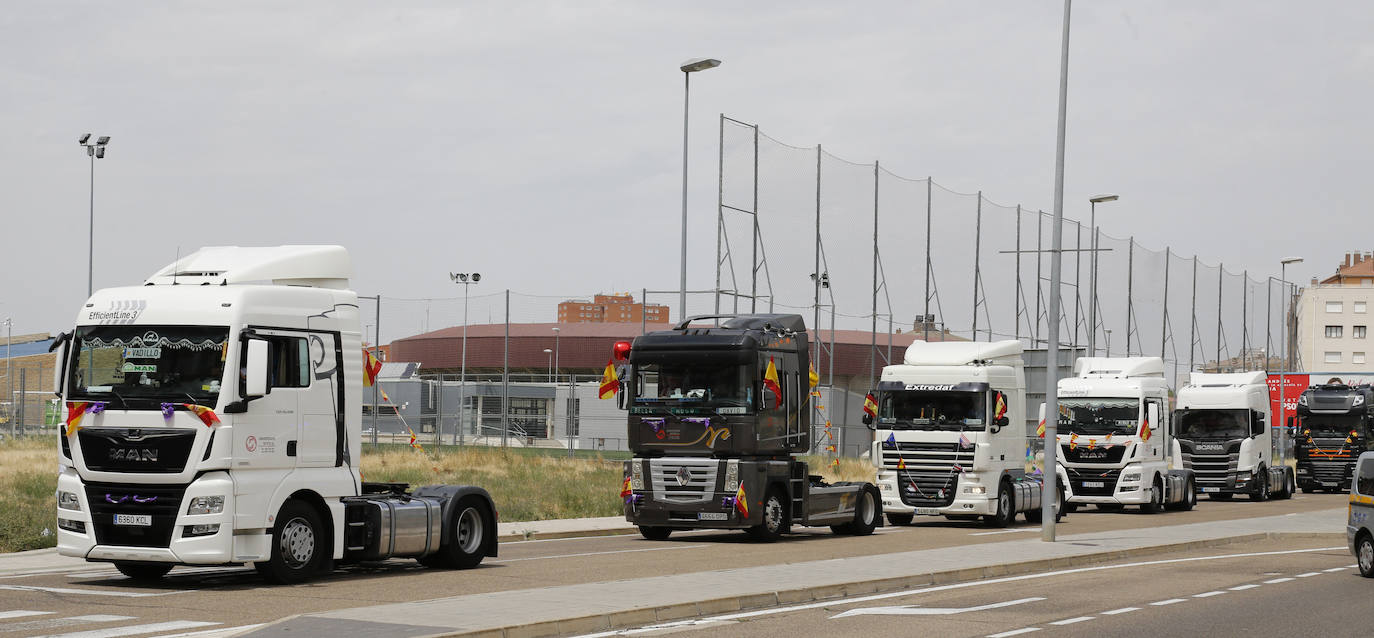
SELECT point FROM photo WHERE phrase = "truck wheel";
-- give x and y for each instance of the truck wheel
(1364, 551)
(655, 533)
(143, 571)
(1156, 504)
(1261, 492)
(1190, 499)
(297, 544)
(774, 523)
(1290, 486)
(897, 520)
(1005, 513)
(865, 517)
(467, 543)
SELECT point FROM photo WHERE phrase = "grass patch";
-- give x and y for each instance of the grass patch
(28, 480)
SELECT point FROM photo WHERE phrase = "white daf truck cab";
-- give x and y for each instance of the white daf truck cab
(1224, 435)
(1114, 436)
(949, 436)
(213, 416)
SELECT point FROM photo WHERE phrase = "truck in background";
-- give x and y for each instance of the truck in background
(718, 416)
(1333, 428)
(213, 417)
(1114, 437)
(949, 440)
(1225, 433)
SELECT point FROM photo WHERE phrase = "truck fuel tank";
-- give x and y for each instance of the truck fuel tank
(393, 526)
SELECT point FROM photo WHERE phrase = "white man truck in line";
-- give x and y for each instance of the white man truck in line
(1113, 430)
(1224, 435)
(949, 436)
(214, 417)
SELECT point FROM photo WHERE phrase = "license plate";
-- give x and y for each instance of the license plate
(713, 516)
(1094, 484)
(928, 511)
(140, 520)
(1211, 490)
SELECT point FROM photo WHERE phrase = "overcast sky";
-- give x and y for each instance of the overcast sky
(541, 143)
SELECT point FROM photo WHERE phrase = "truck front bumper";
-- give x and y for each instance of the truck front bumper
(95, 533)
(717, 512)
(964, 504)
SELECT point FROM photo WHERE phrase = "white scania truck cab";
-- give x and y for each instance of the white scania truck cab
(214, 417)
(1224, 436)
(949, 436)
(1114, 436)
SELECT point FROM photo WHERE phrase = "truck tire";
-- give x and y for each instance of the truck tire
(1156, 504)
(1290, 484)
(1189, 499)
(1261, 492)
(1364, 551)
(467, 542)
(1006, 513)
(775, 518)
(865, 517)
(297, 545)
(897, 520)
(143, 571)
(655, 533)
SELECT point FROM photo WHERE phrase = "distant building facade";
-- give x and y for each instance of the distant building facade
(615, 308)
(1333, 319)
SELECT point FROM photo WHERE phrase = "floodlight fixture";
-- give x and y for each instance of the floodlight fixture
(699, 64)
(476, 277)
(84, 138)
(1104, 198)
(102, 140)
(1290, 260)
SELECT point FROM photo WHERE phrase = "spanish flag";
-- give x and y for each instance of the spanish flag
(870, 405)
(742, 502)
(609, 383)
(770, 381)
(901, 463)
(1092, 444)
(75, 410)
(1000, 410)
(815, 378)
(207, 416)
(1073, 441)
(371, 367)
(1040, 430)
(1145, 429)
(625, 490)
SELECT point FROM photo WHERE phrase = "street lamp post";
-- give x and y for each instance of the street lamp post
(1092, 288)
(1109, 340)
(556, 332)
(9, 377)
(1283, 367)
(94, 151)
(688, 68)
(549, 352)
(466, 279)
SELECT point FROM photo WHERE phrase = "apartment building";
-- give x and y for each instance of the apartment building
(1333, 319)
(614, 308)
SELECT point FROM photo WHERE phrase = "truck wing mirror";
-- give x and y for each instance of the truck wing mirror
(59, 345)
(1257, 424)
(1002, 422)
(868, 420)
(255, 372)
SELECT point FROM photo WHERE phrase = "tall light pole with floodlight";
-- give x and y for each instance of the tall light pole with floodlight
(94, 151)
(1283, 366)
(549, 352)
(466, 279)
(1092, 287)
(688, 68)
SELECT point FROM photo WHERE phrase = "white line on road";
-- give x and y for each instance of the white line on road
(1208, 594)
(1120, 611)
(937, 588)
(131, 630)
(1275, 581)
(1070, 621)
(1308, 574)
(213, 633)
(618, 551)
(1350, 566)
(1005, 531)
(1014, 632)
(1161, 603)
(53, 623)
(1335, 569)
(21, 613)
(912, 610)
(88, 592)
(1243, 587)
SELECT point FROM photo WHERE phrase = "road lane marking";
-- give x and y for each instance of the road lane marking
(88, 592)
(1070, 621)
(1243, 587)
(913, 610)
(1161, 603)
(1006, 531)
(1275, 581)
(21, 613)
(1308, 574)
(54, 623)
(1208, 594)
(617, 551)
(1335, 569)
(213, 633)
(131, 630)
(954, 586)
(1014, 632)
(1120, 611)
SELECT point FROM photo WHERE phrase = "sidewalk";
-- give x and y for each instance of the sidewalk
(600, 606)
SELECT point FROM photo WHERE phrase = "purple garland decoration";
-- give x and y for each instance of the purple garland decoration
(168, 409)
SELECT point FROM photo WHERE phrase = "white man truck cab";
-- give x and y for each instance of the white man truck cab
(949, 436)
(1113, 430)
(213, 416)
(1223, 434)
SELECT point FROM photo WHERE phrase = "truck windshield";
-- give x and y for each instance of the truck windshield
(917, 410)
(1332, 426)
(1099, 415)
(140, 366)
(695, 385)
(1213, 424)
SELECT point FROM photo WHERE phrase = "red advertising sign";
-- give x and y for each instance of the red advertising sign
(1293, 384)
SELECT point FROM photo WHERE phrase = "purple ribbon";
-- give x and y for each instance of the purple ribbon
(111, 499)
(727, 502)
(656, 424)
(96, 407)
(698, 420)
(168, 409)
(144, 499)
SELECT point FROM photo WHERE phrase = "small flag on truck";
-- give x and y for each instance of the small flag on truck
(1145, 429)
(770, 381)
(1040, 430)
(870, 405)
(742, 502)
(371, 368)
(609, 383)
(625, 489)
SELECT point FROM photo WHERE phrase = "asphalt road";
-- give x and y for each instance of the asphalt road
(1265, 588)
(95, 598)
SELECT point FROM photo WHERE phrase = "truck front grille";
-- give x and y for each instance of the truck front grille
(920, 488)
(135, 450)
(683, 480)
(1211, 470)
(1084, 481)
(161, 502)
(927, 457)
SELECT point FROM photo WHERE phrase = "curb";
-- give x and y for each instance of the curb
(667, 613)
(546, 536)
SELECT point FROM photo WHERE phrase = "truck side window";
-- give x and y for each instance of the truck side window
(1365, 483)
(288, 362)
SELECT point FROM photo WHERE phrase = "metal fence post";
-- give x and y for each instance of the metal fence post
(505, 377)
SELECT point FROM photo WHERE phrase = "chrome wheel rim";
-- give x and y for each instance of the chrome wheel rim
(1366, 555)
(867, 504)
(297, 543)
(1004, 504)
(772, 514)
(469, 530)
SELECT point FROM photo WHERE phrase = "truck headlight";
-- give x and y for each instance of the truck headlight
(1359, 400)
(1302, 399)
(975, 489)
(731, 475)
(636, 474)
(1130, 477)
(206, 505)
(68, 501)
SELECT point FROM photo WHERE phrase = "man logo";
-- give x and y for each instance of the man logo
(134, 454)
